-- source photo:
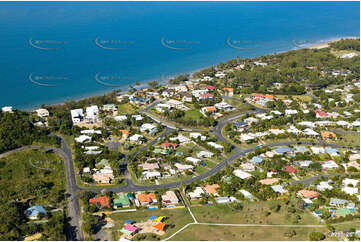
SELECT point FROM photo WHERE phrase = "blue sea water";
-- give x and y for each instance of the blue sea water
(57, 51)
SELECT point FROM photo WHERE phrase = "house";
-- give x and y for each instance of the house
(291, 111)
(195, 161)
(324, 185)
(310, 132)
(300, 149)
(282, 150)
(293, 130)
(101, 201)
(222, 200)
(210, 109)
(186, 97)
(7, 109)
(170, 198)
(83, 138)
(241, 174)
(181, 138)
(279, 189)
(269, 181)
(77, 115)
(151, 174)
(136, 138)
(124, 132)
(148, 127)
(348, 181)
(350, 190)
(246, 137)
(121, 201)
(332, 151)
(246, 194)
(328, 135)
(249, 167)
(220, 74)
(149, 166)
(92, 113)
(205, 96)
(120, 118)
(308, 194)
(161, 151)
(204, 154)
(330, 164)
(354, 157)
(215, 145)
(197, 93)
(146, 199)
(276, 131)
(210, 87)
(321, 114)
(167, 145)
(257, 159)
(42, 112)
(290, 169)
(137, 117)
(197, 193)
(104, 175)
(307, 124)
(211, 189)
(337, 202)
(251, 120)
(183, 167)
(110, 107)
(318, 150)
(90, 131)
(34, 212)
(195, 135)
(228, 91)
(343, 212)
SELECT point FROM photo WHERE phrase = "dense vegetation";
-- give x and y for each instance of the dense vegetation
(17, 129)
(346, 44)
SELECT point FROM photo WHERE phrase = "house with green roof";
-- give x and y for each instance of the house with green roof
(122, 201)
(342, 212)
(161, 151)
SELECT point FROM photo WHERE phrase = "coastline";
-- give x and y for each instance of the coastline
(163, 81)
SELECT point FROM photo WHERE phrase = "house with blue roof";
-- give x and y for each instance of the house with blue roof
(283, 150)
(35, 211)
(332, 151)
(257, 159)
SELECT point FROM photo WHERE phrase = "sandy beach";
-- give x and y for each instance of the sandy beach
(322, 45)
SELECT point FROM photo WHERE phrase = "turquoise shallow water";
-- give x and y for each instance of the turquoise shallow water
(52, 52)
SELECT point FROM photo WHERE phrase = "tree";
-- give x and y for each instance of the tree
(316, 236)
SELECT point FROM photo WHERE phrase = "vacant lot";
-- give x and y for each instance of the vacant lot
(216, 233)
(252, 213)
(348, 139)
(175, 218)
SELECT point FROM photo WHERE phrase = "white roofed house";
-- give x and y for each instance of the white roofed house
(148, 127)
(324, 185)
(193, 160)
(7, 109)
(170, 198)
(251, 120)
(91, 131)
(195, 135)
(136, 138)
(42, 112)
(318, 150)
(77, 115)
(215, 145)
(104, 175)
(120, 118)
(293, 130)
(310, 132)
(241, 174)
(92, 113)
(330, 164)
(276, 131)
(246, 137)
(204, 154)
(291, 111)
(197, 193)
(137, 117)
(151, 174)
(83, 138)
(182, 167)
(246, 194)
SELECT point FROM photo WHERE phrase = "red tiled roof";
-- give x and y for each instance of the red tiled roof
(321, 113)
(206, 95)
(167, 145)
(309, 194)
(290, 169)
(210, 87)
(102, 201)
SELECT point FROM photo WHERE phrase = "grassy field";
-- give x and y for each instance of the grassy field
(192, 114)
(126, 108)
(33, 174)
(218, 233)
(302, 98)
(348, 139)
(177, 217)
(239, 105)
(252, 213)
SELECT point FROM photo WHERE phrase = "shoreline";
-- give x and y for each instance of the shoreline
(144, 84)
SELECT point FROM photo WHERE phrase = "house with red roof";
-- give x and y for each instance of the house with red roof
(290, 169)
(167, 145)
(307, 194)
(211, 88)
(101, 201)
(206, 96)
(321, 114)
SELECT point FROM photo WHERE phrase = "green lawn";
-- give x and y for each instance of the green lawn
(239, 105)
(126, 108)
(175, 218)
(252, 213)
(33, 174)
(348, 139)
(227, 233)
(192, 114)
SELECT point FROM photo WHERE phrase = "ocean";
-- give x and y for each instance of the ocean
(58, 51)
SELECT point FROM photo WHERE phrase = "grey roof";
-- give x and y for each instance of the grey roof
(300, 149)
(337, 201)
